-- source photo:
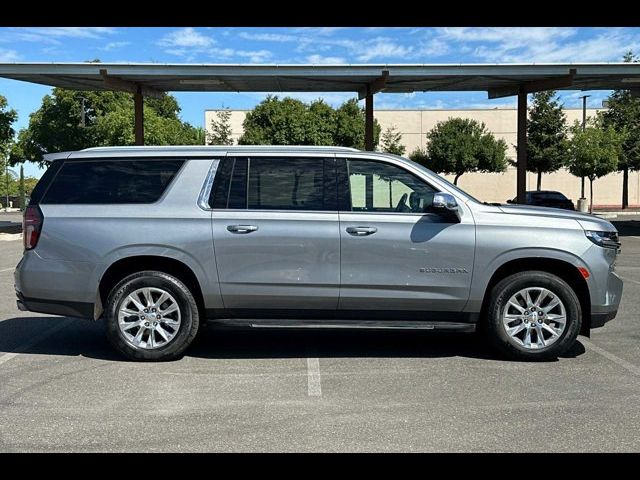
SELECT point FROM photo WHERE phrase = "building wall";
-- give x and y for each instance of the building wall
(490, 187)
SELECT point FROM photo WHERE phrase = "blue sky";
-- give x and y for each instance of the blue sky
(310, 45)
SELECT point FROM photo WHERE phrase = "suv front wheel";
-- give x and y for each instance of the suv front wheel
(151, 315)
(533, 316)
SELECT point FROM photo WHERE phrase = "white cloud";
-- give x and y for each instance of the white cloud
(53, 35)
(433, 48)
(539, 44)
(319, 59)
(7, 55)
(115, 45)
(267, 37)
(512, 35)
(381, 47)
(186, 38)
(254, 56)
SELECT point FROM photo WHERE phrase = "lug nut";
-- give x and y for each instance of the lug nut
(153, 310)
(158, 316)
(146, 324)
(146, 310)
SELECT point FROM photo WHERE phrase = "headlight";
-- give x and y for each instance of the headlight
(603, 239)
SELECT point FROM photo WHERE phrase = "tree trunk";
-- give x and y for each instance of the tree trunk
(591, 193)
(455, 180)
(539, 181)
(582, 188)
(625, 187)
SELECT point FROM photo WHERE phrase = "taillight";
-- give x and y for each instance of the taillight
(31, 226)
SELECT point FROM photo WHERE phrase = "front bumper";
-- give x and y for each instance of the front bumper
(603, 313)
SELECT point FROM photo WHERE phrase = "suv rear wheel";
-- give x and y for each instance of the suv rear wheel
(533, 316)
(151, 315)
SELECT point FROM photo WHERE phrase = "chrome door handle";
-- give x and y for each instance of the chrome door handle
(361, 231)
(242, 228)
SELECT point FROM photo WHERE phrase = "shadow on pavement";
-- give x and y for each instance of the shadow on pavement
(87, 338)
(627, 227)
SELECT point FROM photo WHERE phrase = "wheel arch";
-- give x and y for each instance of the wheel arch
(561, 268)
(128, 265)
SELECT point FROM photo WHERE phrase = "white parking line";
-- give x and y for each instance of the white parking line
(314, 389)
(629, 367)
(625, 279)
(33, 341)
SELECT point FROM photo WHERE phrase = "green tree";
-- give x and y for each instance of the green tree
(419, 155)
(221, 129)
(290, 121)
(546, 135)
(350, 122)
(623, 114)
(62, 124)
(460, 145)
(594, 152)
(391, 141)
(7, 119)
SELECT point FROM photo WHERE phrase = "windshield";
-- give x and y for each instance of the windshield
(456, 188)
(442, 179)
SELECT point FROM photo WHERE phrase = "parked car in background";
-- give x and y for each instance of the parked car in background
(547, 198)
(155, 240)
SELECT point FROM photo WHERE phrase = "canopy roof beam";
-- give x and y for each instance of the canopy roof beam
(534, 86)
(115, 83)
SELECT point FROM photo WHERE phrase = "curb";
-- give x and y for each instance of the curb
(9, 237)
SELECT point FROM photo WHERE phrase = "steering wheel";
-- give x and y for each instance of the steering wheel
(402, 203)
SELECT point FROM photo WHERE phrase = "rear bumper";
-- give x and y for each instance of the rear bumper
(54, 307)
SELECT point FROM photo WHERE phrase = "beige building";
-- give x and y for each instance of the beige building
(491, 187)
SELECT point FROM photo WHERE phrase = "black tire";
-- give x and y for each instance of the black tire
(505, 289)
(187, 330)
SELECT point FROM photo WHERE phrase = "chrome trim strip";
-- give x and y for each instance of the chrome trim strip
(205, 192)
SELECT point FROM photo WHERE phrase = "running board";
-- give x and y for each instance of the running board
(348, 324)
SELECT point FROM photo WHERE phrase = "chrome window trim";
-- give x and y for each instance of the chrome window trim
(205, 191)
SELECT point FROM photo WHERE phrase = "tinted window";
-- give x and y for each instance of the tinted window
(286, 184)
(221, 184)
(238, 189)
(381, 187)
(43, 183)
(549, 196)
(115, 181)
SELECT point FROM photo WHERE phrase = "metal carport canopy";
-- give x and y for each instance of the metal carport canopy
(498, 80)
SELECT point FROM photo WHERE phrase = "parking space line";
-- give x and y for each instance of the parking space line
(625, 279)
(20, 349)
(629, 367)
(314, 388)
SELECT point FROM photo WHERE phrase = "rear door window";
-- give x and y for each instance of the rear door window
(111, 181)
(271, 183)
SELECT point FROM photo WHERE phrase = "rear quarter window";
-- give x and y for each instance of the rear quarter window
(111, 181)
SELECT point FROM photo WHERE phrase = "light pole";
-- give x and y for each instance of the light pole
(584, 126)
(6, 174)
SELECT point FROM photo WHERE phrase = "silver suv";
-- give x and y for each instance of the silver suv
(156, 240)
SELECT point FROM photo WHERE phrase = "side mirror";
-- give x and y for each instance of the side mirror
(445, 201)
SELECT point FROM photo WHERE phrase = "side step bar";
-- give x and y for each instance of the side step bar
(347, 324)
